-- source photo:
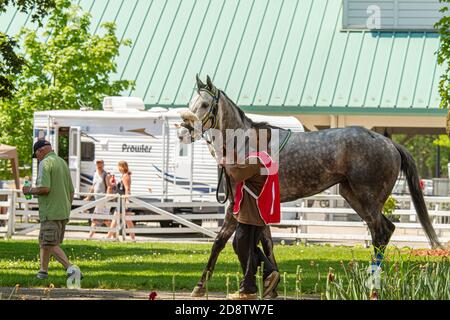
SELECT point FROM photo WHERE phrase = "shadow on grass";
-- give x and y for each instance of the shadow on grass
(112, 249)
(151, 266)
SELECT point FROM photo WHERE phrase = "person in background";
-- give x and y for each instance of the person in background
(123, 188)
(100, 185)
(55, 191)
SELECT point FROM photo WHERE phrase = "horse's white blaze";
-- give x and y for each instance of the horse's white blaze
(194, 116)
(193, 102)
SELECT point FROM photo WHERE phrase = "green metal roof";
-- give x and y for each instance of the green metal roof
(285, 56)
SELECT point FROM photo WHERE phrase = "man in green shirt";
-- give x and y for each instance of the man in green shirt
(55, 195)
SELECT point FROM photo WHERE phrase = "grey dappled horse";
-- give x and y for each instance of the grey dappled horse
(365, 164)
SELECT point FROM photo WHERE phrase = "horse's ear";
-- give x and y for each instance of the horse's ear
(200, 84)
(209, 83)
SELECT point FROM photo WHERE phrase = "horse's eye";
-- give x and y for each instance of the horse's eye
(204, 105)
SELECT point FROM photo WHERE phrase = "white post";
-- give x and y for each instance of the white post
(27, 209)
(412, 217)
(192, 148)
(163, 180)
(367, 242)
(122, 217)
(303, 216)
(11, 215)
(166, 169)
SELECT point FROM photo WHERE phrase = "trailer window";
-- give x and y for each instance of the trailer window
(63, 143)
(389, 15)
(183, 152)
(74, 151)
(87, 151)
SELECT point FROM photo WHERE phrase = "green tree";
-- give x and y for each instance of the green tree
(65, 64)
(423, 148)
(444, 142)
(443, 26)
(11, 63)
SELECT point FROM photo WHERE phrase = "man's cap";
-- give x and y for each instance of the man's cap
(99, 160)
(39, 144)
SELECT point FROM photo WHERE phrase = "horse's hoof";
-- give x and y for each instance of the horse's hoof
(198, 292)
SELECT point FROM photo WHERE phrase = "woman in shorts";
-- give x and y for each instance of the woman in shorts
(123, 188)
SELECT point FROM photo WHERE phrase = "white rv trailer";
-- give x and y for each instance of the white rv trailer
(147, 140)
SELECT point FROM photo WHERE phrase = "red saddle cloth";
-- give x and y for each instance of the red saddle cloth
(268, 201)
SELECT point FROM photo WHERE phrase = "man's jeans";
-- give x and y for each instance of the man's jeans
(245, 245)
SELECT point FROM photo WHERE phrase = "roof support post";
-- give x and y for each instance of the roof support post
(333, 121)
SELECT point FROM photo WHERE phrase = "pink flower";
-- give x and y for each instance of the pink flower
(152, 295)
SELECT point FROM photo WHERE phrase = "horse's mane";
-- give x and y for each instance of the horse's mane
(253, 124)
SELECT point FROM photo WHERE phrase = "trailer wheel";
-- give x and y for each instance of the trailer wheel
(171, 224)
(168, 224)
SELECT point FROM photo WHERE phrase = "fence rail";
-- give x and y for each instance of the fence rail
(303, 220)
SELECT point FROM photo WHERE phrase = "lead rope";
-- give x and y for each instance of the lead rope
(228, 188)
(283, 144)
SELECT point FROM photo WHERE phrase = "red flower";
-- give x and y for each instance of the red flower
(330, 277)
(374, 295)
(152, 295)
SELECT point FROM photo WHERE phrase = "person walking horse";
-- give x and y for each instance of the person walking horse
(257, 204)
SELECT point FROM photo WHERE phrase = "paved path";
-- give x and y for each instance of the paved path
(98, 294)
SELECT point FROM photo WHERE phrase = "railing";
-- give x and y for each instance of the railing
(7, 220)
(301, 221)
(23, 215)
(27, 215)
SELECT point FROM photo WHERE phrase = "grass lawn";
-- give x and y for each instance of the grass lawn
(150, 266)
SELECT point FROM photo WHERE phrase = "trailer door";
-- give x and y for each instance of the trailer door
(183, 167)
(75, 156)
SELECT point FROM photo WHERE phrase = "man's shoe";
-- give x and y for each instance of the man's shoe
(242, 296)
(271, 282)
(42, 275)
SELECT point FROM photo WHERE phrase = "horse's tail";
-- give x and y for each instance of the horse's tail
(412, 175)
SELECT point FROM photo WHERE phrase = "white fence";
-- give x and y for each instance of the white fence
(7, 220)
(304, 220)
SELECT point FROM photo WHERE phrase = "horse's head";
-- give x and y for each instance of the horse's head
(201, 114)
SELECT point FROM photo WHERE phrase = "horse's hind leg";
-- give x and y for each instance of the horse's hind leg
(225, 233)
(381, 228)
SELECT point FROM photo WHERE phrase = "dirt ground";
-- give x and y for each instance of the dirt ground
(98, 294)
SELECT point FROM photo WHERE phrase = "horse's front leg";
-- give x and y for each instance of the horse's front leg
(225, 233)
